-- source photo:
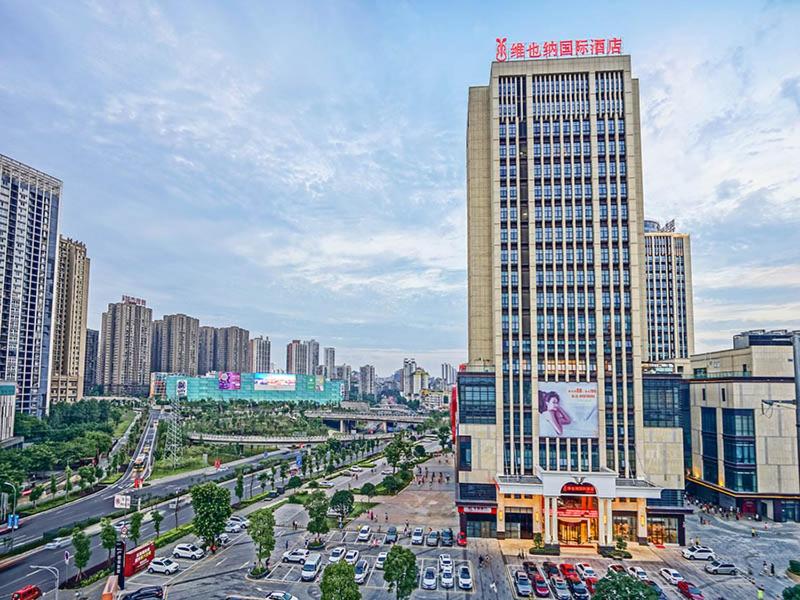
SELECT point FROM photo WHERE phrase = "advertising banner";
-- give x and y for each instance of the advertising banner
(230, 381)
(181, 388)
(320, 384)
(568, 409)
(275, 382)
(122, 501)
(137, 559)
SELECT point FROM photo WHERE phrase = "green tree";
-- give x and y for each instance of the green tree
(622, 545)
(53, 485)
(339, 582)
(239, 489)
(317, 507)
(792, 593)
(443, 434)
(212, 507)
(67, 481)
(262, 481)
(157, 518)
(262, 531)
(394, 453)
(87, 476)
(135, 530)
(400, 571)
(83, 550)
(419, 451)
(342, 502)
(108, 537)
(36, 493)
(616, 586)
(294, 482)
(391, 484)
(284, 471)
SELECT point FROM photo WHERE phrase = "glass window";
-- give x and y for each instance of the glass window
(476, 396)
(464, 453)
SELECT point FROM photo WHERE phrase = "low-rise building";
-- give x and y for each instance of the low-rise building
(274, 387)
(8, 394)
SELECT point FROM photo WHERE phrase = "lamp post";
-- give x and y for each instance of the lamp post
(53, 571)
(13, 507)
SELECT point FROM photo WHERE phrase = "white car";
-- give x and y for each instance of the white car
(464, 578)
(446, 578)
(418, 536)
(298, 555)
(637, 572)
(429, 579)
(445, 562)
(381, 560)
(585, 571)
(244, 522)
(388, 471)
(281, 596)
(59, 542)
(233, 527)
(351, 557)
(670, 576)
(698, 553)
(356, 469)
(327, 484)
(362, 570)
(337, 554)
(224, 538)
(188, 551)
(163, 565)
(364, 533)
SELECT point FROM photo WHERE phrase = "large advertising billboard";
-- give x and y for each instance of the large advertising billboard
(230, 381)
(568, 409)
(274, 382)
(182, 388)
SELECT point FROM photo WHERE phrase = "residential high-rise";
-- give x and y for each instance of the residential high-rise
(29, 204)
(124, 358)
(179, 344)
(231, 349)
(366, 381)
(157, 335)
(345, 372)
(670, 313)
(205, 349)
(260, 354)
(297, 357)
(330, 362)
(409, 367)
(448, 374)
(90, 369)
(69, 322)
(313, 356)
(550, 435)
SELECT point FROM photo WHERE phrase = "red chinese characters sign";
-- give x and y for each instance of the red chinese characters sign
(562, 48)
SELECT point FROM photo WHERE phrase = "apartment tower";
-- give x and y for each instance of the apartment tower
(329, 357)
(231, 349)
(549, 413)
(29, 203)
(297, 357)
(366, 381)
(179, 340)
(124, 358)
(260, 354)
(205, 349)
(69, 322)
(670, 313)
(90, 368)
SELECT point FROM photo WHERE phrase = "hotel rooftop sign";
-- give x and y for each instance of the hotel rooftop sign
(560, 49)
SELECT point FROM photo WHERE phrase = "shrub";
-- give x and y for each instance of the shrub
(294, 482)
(794, 567)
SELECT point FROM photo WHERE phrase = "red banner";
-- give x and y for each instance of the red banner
(478, 510)
(137, 559)
(577, 512)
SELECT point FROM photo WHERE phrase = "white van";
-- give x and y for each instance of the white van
(311, 567)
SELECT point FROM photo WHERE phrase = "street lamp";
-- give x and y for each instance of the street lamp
(13, 507)
(53, 571)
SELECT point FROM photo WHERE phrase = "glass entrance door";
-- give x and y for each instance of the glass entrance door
(573, 534)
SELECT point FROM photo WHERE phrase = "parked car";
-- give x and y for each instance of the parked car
(616, 568)
(698, 553)
(578, 589)
(356, 469)
(585, 570)
(447, 537)
(522, 584)
(224, 538)
(446, 578)
(540, 588)
(591, 584)
(145, 593)
(381, 560)
(391, 535)
(461, 539)
(274, 494)
(418, 536)
(362, 570)
(670, 575)
(244, 522)
(351, 557)
(716, 567)
(433, 539)
(327, 484)
(559, 588)
(188, 551)
(568, 572)
(364, 533)
(549, 569)
(163, 565)
(59, 542)
(233, 527)
(281, 596)
(656, 588)
(29, 592)
(337, 554)
(445, 562)
(311, 567)
(637, 572)
(690, 591)
(298, 555)
(530, 568)
(387, 471)
(464, 578)
(429, 579)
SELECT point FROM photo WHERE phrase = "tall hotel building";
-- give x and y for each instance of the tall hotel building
(29, 201)
(123, 365)
(549, 423)
(670, 315)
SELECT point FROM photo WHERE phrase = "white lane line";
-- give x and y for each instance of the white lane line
(245, 563)
(220, 561)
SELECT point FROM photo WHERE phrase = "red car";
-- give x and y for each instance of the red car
(591, 584)
(690, 591)
(540, 587)
(569, 572)
(29, 592)
(461, 538)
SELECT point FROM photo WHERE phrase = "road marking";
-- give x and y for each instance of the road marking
(220, 561)
(244, 564)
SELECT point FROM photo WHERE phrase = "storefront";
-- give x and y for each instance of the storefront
(577, 515)
(624, 526)
(519, 522)
(478, 521)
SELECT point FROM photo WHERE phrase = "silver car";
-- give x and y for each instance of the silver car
(429, 579)
(716, 567)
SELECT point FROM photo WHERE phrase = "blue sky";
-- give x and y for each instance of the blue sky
(298, 169)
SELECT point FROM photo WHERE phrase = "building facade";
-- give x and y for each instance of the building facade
(329, 362)
(313, 356)
(744, 426)
(549, 415)
(297, 357)
(409, 368)
(448, 374)
(8, 391)
(29, 207)
(90, 369)
(179, 344)
(260, 348)
(366, 381)
(231, 349)
(124, 357)
(205, 349)
(269, 387)
(70, 307)
(670, 312)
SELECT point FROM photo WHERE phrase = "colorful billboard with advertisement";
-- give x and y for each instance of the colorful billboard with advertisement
(568, 409)
(274, 382)
(181, 388)
(230, 381)
(139, 558)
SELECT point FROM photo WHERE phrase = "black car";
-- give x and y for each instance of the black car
(530, 568)
(447, 537)
(391, 535)
(550, 569)
(146, 593)
(272, 494)
(578, 589)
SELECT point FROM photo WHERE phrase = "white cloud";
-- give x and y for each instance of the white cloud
(752, 276)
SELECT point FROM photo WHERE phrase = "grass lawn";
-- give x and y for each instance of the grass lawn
(113, 478)
(122, 426)
(192, 460)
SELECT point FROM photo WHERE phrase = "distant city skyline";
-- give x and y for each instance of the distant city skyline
(297, 170)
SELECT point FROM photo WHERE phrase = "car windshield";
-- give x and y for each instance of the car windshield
(559, 583)
(694, 590)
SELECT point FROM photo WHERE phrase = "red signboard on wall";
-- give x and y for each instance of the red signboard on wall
(137, 559)
(478, 510)
(453, 411)
(577, 512)
(579, 489)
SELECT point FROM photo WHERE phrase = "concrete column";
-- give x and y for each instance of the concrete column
(601, 517)
(554, 524)
(547, 538)
(609, 523)
(641, 520)
(342, 426)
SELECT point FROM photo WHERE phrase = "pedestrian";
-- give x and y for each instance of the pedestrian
(764, 568)
(752, 532)
(772, 569)
(386, 517)
(306, 543)
(493, 587)
(287, 544)
(760, 593)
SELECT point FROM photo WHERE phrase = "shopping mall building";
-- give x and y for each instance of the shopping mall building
(268, 387)
(551, 432)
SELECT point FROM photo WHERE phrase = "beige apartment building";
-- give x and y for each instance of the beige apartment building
(123, 365)
(178, 339)
(550, 426)
(744, 453)
(70, 307)
(670, 311)
(260, 350)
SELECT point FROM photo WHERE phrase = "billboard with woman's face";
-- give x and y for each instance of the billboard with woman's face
(230, 381)
(568, 410)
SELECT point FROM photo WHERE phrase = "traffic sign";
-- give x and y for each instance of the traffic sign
(124, 531)
(66, 557)
(13, 521)
(122, 501)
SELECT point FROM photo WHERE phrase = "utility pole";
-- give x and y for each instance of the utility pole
(174, 445)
